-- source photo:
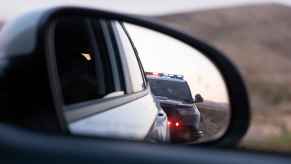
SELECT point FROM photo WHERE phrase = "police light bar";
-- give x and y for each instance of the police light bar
(153, 74)
(166, 75)
(180, 76)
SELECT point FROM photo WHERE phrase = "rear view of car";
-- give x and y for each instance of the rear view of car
(174, 96)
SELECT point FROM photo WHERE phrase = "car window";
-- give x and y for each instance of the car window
(171, 89)
(136, 75)
(84, 71)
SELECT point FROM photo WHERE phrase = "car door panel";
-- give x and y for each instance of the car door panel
(131, 120)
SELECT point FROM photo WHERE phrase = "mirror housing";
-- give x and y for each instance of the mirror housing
(29, 49)
(198, 98)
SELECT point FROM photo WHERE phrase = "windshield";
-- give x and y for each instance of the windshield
(171, 89)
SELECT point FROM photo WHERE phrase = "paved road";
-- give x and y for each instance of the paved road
(214, 118)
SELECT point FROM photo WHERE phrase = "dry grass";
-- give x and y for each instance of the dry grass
(275, 144)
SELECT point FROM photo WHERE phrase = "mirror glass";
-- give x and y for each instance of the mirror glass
(120, 80)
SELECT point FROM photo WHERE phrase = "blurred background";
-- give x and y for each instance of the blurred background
(254, 34)
(257, 39)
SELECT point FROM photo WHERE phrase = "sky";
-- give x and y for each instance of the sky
(13, 8)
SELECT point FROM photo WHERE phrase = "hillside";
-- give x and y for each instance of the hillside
(257, 38)
(249, 35)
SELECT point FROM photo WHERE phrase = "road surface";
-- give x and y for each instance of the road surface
(214, 118)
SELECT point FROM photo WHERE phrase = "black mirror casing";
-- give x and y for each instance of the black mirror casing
(38, 66)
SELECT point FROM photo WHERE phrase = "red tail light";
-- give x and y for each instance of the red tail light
(169, 123)
(175, 124)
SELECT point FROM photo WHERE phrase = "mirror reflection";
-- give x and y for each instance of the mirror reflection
(120, 80)
(185, 83)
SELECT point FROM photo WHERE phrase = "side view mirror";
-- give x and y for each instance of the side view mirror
(198, 98)
(110, 75)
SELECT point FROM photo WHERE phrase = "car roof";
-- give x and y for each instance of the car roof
(168, 79)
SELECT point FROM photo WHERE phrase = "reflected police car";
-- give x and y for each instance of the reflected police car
(174, 96)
